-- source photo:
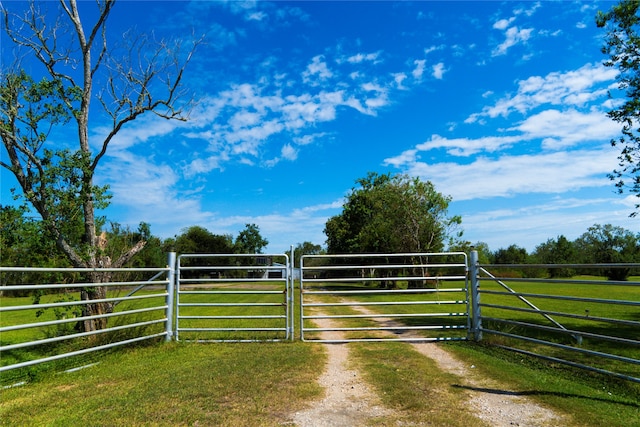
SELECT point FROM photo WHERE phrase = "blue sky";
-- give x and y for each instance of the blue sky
(500, 104)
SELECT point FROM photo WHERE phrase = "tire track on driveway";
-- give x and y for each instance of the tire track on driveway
(348, 400)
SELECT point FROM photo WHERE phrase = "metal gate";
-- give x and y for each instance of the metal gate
(384, 297)
(234, 297)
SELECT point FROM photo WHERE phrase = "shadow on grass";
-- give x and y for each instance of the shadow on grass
(544, 393)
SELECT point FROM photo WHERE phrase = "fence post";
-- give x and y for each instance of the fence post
(476, 319)
(290, 293)
(171, 276)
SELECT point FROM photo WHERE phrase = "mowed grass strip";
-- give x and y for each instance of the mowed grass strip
(413, 386)
(591, 400)
(250, 384)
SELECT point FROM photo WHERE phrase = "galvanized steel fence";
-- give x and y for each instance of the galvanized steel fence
(232, 297)
(47, 324)
(384, 297)
(584, 322)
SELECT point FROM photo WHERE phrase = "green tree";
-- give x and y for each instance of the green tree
(622, 46)
(154, 254)
(24, 241)
(388, 214)
(249, 240)
(140, 76)
(609, 244)
(511, 255)
(305, 248)
(199, 240)
(557, 251)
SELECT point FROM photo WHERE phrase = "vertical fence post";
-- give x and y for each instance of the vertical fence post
(290, 293)
(171, 276)
(476, 319)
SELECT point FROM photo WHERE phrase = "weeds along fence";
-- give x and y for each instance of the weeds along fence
(579, 320)
(46, 322)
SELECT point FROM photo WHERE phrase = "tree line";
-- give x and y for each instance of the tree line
(600, 244)
(26, 241)
(368, 223)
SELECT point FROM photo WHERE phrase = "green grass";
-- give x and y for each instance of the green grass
(593, 309)
(247, 318)
(40, 351)
(591, 400)
(251, 384)
(413, 386)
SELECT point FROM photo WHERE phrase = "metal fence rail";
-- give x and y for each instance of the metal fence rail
(44, 323)
(384, 297)
(234, 298)
(585, 322)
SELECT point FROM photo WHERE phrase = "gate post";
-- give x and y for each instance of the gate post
(290, 291)
(476, 325)
(171, 277)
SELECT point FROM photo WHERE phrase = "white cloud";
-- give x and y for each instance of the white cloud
(148, 191)
(418, 71)
(513, 36)
(438, 70)
(289, 153)
(317, 69)
(407, 157)
(459, 147)
(571, 88)
(256, 16)
(509, 175)
(364, 57)
(562, 129)
(309, 138)
(502, 24)
(433, 49)
(398, 78)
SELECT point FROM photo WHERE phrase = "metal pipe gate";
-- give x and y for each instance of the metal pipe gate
(384, 297)
(234, 298)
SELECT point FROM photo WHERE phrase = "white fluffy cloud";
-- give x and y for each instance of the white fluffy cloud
(572, 88)
(509, 175)
(438, 70)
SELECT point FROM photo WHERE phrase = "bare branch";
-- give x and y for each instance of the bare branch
(133, 90)
(126, 257)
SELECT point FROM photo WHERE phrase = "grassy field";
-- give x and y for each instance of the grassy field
(242, 312)
(590, 313)
(249, 384)
(255, 384)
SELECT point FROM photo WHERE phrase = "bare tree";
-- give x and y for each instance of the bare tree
(136, 76)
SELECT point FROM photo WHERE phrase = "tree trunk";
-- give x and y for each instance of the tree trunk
(100, 292)
(95, 308)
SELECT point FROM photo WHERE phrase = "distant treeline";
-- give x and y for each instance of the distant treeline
(25, 242)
